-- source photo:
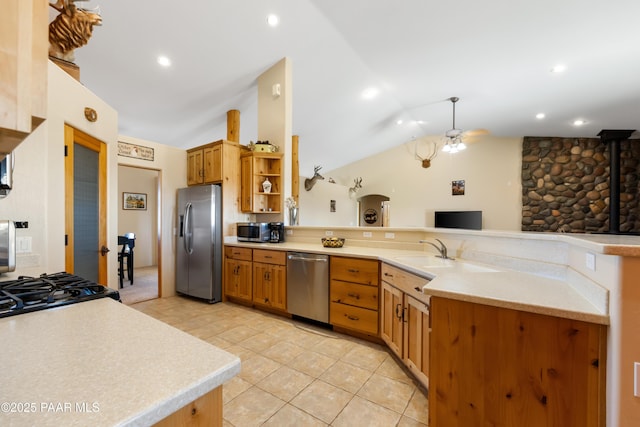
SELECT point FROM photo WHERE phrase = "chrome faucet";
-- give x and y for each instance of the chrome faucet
(442, 248)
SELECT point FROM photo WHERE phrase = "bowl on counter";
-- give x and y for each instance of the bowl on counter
(332, 242)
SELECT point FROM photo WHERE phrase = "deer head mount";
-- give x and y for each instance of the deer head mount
(357, 184)
(71, 29)
(310, 182)
(431, 154)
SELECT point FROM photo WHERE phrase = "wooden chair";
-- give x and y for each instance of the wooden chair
(125, 255)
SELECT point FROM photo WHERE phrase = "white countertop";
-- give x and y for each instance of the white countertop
(495, 286)
(101, 363)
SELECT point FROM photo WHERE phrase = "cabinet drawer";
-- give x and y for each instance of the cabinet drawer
(406, 282)
(270, 257)
(354, 294)
(356, 318)
(355, 270)
(237, 253)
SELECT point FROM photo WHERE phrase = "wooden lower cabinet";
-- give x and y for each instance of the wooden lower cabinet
(204, 411)
(270, 279)
(504, 367)
(354, 294)
(238, 273)
(404, 321)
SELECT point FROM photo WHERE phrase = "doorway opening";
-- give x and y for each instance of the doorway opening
(142, 218)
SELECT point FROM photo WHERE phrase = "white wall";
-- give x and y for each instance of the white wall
(490, 167)
(38, 191)
(144, 223)
(315, 205)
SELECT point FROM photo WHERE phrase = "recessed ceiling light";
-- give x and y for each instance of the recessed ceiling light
(579, 122)
(558, 68)
(273, 20)
(164, 61)
(399, 122)
(540, 116)
(370, 93)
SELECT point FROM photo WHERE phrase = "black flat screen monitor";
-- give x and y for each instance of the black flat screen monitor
(471, 220)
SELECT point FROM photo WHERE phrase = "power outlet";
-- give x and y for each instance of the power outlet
(389, 235)
(590, 261)
(367, 234)
(328, 233)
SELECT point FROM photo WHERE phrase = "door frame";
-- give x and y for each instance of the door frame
(158, 219)
(75, 136)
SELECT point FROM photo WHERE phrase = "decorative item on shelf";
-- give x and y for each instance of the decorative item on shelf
(263, 147)
(290, 203)
(71, 29)
(266, 185)
(310, 182)
(332, 242)
(357, 184)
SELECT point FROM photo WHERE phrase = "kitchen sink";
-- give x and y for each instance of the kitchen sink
(432, 262)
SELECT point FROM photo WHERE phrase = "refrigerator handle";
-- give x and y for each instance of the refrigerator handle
(188, 233)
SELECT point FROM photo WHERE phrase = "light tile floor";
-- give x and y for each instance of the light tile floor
(295, 374)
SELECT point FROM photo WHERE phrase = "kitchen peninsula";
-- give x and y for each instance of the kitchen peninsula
(101, 363)
(583, 280)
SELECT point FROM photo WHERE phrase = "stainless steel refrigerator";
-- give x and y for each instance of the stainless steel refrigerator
(199, 243)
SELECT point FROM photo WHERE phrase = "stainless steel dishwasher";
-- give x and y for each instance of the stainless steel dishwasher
(308, 285)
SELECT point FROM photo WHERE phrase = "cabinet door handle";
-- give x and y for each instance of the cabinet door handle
(398, 310)
(404, 318)
(418, 288)
(388, 274)
(352, 295)
(353, 270)
(352, 317)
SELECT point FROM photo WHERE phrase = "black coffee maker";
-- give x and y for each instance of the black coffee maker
(276, 232)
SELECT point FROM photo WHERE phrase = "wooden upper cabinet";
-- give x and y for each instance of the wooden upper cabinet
(23, 73)
(216, 162)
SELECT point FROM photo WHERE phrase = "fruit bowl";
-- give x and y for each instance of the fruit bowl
(332, 242)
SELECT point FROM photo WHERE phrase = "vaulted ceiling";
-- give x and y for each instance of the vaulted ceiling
(496, 56)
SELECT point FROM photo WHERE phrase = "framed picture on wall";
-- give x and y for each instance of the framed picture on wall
(134, 201)
(457, 188)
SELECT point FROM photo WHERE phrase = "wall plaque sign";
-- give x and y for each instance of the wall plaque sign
(135, 151)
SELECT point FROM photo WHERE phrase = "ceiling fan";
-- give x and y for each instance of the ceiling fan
(454, 137)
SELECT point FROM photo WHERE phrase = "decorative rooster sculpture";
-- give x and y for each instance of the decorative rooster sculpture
(71, 29)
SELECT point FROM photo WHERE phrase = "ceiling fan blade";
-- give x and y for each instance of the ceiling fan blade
(475, 132)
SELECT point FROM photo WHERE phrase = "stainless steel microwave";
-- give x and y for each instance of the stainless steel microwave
(253, 232)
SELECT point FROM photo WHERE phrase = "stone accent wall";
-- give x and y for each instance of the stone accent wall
(565, 185)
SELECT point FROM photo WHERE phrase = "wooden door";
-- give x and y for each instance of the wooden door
(212, 158)
(194, 167)
(391, 319)
(246, 184)
(85, 205)
(244, 281)
(416, 338)
(231, 274)
(260, 283)
(278, 287)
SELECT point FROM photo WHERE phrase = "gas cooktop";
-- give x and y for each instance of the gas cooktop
(27, 294)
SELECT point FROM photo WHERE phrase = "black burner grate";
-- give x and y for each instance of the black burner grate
(26, 294)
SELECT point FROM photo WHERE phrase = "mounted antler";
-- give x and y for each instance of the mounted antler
(310, 182)
(357, 184)
(426, 161)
